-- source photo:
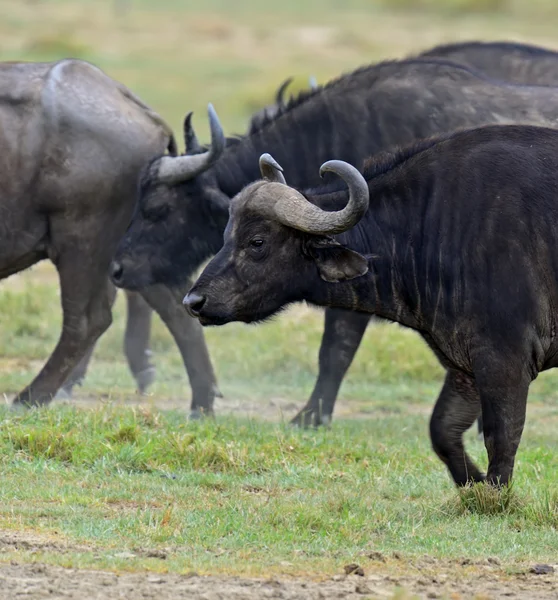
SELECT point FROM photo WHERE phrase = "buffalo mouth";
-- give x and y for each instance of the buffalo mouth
(208, 321)
(207, 318)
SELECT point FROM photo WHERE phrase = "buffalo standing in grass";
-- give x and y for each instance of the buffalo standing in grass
(184, 202)
(459, 242)
(73, 144)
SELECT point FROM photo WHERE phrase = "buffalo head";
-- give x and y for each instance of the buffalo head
(177, 220)
(278, 248)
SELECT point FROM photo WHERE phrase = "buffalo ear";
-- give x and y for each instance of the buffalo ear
(335, 262)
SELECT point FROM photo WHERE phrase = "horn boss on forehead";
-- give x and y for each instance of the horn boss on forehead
(292, 209)
(173, 170)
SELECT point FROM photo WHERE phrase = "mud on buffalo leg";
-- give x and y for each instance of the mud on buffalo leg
(136, 340)
(503, 386)
(456, 409)
(188, 335)
(343, 332)
(87, 296)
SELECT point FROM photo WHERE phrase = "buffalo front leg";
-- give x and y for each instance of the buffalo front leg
(503, 386)
(136, 340)
(343, 332)
(87, 297)
(188, 335)
(456, 409)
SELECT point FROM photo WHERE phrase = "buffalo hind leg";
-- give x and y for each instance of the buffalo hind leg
(136, 340)
(503, 385)
(456, 409)
(87, 297)
(136, 348)
(188, 335)
(343, 332)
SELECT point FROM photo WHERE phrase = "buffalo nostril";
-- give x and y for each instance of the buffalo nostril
(116, 271)
(194, 303)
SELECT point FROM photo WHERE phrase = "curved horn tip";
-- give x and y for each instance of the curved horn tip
(212, 112)
(333, 166)
(271, 170)
(218, 141)
(267, 159)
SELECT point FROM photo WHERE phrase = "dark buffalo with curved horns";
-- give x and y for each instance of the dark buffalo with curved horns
(73, 144)
(459, 241)
(179, 220)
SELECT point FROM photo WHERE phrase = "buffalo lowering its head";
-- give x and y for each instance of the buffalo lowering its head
(179, 217)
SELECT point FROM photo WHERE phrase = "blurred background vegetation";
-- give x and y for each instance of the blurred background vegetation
(178, 55)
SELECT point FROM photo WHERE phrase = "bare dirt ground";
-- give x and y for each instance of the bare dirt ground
(390, 577)
(275, 409)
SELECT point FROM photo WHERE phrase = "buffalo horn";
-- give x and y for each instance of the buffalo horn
(190, 137)
(173, 170)
(271, 170)
(280, 95)
(291, 208)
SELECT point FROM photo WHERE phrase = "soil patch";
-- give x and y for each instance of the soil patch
(434, 579)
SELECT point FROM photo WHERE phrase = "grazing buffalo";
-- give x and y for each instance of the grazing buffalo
(73, 144)
(459, 242)
(183, 205)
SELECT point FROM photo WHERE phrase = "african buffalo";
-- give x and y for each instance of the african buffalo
(73, 144)
(459, 242)
(183, 205)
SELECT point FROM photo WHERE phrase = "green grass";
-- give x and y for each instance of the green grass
(248, 496)
(240, 495)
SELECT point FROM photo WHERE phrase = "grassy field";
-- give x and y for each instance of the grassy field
(116, 481)
(252, 497)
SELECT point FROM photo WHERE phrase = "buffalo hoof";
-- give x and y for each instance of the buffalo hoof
(310, 418)
(144, 379)
(27, 400)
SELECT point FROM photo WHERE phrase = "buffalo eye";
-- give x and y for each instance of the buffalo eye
(256, 247)
(256, 243)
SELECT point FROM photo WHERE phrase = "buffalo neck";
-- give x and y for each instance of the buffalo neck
(373, 109)
(407, 279)
(349, 119)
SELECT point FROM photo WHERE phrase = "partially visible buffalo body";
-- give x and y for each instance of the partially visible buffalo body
(343, 332)
(459, 241)
(520, 63)
(73, 143)
(184, 201)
